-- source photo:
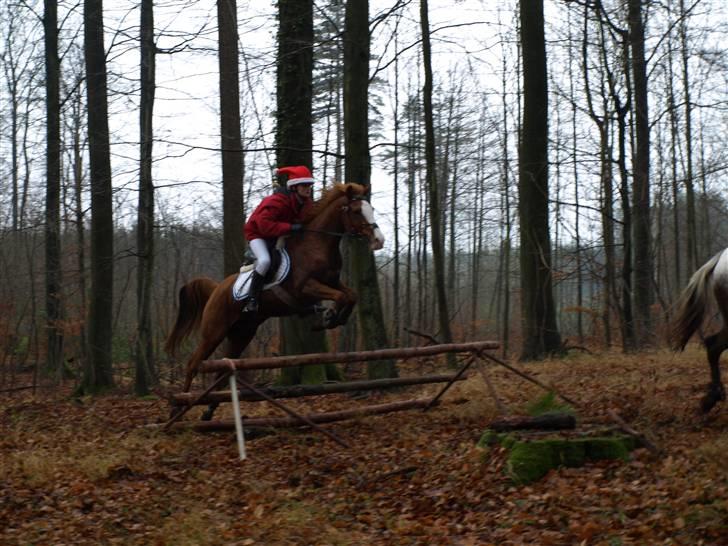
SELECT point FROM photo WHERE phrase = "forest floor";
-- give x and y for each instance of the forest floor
(87, 471)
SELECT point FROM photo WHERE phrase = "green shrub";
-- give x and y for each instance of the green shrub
(548, 404)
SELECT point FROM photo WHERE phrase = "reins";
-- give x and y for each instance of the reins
(341, 234)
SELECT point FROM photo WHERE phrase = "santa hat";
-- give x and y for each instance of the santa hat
(300, 174)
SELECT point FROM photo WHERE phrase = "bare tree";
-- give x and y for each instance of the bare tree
(294, 141)
(144, 354)
(643, 289)
(230, 140)
(540, 333)
(53, 284)
(97, 373)
(445, 334)
(357, 168)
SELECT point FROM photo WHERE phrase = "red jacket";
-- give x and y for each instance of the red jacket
(274, 216)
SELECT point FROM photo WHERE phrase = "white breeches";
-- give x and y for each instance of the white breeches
(262, 256)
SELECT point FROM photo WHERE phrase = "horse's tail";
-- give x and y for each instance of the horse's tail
(193, 297)
(692, 305)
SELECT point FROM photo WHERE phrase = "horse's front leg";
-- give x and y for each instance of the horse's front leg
(342, 300)
(346, 309)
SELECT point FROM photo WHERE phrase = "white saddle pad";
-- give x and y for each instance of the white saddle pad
(242, 283)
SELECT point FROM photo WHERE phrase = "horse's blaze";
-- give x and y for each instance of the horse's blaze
(376, 240)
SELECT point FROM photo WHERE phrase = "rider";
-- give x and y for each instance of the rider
(278, 214)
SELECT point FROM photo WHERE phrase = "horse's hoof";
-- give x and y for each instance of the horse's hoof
(329, 319)
(207, 415)
(711, 399)
(706, 404)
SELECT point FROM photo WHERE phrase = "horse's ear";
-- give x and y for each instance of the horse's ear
(349, 191)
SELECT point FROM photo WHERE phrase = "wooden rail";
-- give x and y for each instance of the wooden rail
(298, 391)
(326, 417)
(264, 363)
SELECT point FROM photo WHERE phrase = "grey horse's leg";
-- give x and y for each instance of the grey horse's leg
(715, 346)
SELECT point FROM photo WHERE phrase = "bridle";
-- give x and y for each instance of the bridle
(358, 234)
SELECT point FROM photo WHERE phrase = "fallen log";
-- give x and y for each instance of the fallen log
(282, 422)
(264, 363)
(547, 421)
(297, 391)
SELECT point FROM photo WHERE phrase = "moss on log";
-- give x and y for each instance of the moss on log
(530, 460)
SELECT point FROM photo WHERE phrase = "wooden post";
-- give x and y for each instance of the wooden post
(236, 416)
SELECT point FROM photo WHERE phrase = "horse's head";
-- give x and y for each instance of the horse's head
(358, 217)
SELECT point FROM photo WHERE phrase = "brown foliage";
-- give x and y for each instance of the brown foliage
(87, 472)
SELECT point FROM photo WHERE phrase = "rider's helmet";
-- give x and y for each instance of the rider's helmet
(299, 174)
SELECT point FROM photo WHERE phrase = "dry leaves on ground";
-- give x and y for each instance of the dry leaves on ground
(88, 471)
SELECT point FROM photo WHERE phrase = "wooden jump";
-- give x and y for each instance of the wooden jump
(241, 390)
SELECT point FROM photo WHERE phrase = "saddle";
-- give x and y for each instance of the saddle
(276, 251)
(280, 267)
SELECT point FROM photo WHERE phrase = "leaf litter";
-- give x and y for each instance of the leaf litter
(90, 472)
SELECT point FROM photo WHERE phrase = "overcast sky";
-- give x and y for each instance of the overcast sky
(187, 169)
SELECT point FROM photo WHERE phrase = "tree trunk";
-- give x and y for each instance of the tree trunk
(438, 256)
(627, 325)
(77, 109)
(54, 361)
(230, 140)
(357, 169)
(677, 229)
(98, 367)
(540, 332)
(505, 334)
(144, 357)
(294, 140)
(691, 224)
(397, 311)
(577, 208)
(641, 178)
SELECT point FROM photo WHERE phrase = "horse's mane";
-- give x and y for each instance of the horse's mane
(330, 195)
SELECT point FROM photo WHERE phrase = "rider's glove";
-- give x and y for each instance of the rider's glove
(296, 228)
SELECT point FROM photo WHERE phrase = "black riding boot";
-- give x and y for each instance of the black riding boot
(256, 285)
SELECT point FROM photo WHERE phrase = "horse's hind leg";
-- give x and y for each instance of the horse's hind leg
(238, 340)
(715, 345)
(204, 350)
(210, 411)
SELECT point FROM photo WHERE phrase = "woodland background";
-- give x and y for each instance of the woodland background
(100, 226)
(548, 174)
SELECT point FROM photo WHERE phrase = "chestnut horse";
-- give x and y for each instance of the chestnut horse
(315, 276)
(706, 292)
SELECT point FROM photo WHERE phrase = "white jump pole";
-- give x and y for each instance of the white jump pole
(238, 419)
